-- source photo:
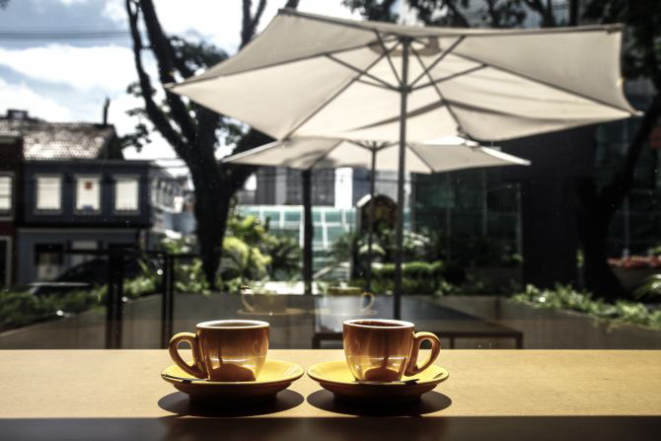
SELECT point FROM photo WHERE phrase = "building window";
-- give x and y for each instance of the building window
(126, 194)
(48, 260)
(49, 193)
(88, 194)
(82, 245)
(5, 195)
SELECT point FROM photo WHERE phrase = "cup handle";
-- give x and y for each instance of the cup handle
(193, 369)
(412, 368)
(246, 304)
(370, 302)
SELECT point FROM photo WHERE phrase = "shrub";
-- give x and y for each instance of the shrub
(418, 270)
(566, 298)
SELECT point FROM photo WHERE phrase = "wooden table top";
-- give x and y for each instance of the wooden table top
(495, 394)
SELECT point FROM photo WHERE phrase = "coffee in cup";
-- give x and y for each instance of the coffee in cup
(224, 350)
(385, 350)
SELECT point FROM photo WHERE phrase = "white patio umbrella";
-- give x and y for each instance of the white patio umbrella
(311, 75)
(450, 153)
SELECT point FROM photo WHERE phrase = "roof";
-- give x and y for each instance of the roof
(46, 140)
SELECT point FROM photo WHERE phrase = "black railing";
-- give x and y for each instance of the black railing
(115, 299)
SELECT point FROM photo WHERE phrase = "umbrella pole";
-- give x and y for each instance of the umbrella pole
(404, 91)
(308, 230)
(370, 231)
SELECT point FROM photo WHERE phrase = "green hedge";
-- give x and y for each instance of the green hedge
(418, 278)
(566, 298)
(24, 308)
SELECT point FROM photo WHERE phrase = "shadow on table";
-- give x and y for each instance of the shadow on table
(565, 428)
(428, 403)
(179, 404)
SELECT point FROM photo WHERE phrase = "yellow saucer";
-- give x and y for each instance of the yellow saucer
(335, 377)
(275, 376)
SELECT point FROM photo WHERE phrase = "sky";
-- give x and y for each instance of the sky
(69, 79)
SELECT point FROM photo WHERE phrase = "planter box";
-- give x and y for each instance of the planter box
(555, 329)
(632, 278)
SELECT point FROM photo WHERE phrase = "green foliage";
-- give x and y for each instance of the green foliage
(566, 298)
(643, 21)
(651, 289)
(242, 261)
(286, 257)
(21, 308)
(373, 10)
(417, 278)
(250, 253)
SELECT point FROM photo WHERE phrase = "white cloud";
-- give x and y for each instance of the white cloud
(73, 2)
(116, 11)
(20, 96)
(219, 22)
(103, 67)
(106, 70)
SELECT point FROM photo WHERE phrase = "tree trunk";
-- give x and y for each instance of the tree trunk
(598, 210)
(593, 224)
(211, 211)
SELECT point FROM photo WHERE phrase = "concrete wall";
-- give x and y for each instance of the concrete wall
(542, 329)
(549, 329)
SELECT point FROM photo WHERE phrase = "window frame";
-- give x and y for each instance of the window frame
(77, 210)
(8, 265)
(48, 211)
(125, 212)
(9, 214)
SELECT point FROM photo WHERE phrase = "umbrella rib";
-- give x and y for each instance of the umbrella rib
(385, 51)
(325, 155)
(460, 129)
(373, 85)
(268, 66)
(440, 58)
(363, 72)
(231, 158)
(424, 161)
(544, 83)
(331, 98)
(450, 77)
(377, 147)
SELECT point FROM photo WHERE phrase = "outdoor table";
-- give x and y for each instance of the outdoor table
(491, 394)
(428, 316)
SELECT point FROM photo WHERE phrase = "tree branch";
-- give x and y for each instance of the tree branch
(163, 51)
(258, 16)
(613, 194)
(458, 17)
(546, 12)
(250, 22)
(154, 113)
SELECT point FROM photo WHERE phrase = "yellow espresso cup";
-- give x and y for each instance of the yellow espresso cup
(385, 350)
(224, 350)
